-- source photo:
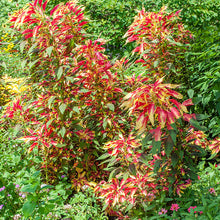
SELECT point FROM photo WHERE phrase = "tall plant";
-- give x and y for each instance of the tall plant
(162, 149)
(73, 105)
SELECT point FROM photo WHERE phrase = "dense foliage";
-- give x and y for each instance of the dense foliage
(200, 66)
(87, 136)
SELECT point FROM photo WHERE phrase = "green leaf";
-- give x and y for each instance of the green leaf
(190, 93)
(181, 153)
(174, 126)
(104, 156)
(22, 45)
(146, 139)
(169, 145)
(59, 72)
(144, 159)
(174, 159)
(218, 107)
(203, 200)
(149, 207)
(173, 135)
(70, 78)
(105, 77)
(62, 108)
(42, 211)
(29, 188)
(49, 208)
(114, 173)
(17, 128)
(201, 117)
(47, 187)
(105, 122)
(132, 169)
(49, 50)
(38, 159)
(157, 165)
(156, 63)
(32, 48)
(3, 64)
(23, 63)
(84, 90)
(106, 161)
(36, 174)
(129, 207)
(76, 109)
(104, 207)
(62, 131)
(196, 100)
(212, 156)
(49, 122)
(51, 99)
(31, 64)
(196, 124)
(111, 106)
(28, 208)
(156, 147)
(60, 145)
(112, 162)
(170, 38)
(125, 176)
(96, 142)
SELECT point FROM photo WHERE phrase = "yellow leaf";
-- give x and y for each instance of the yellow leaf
(93, 184)
(79, 170)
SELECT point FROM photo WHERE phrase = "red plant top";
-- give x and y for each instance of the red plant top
(158, 37)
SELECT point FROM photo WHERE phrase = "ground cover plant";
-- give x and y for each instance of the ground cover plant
(95, 138)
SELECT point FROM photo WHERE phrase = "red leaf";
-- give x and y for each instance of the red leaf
(140, 61)
(28, 36)
(77, 12)
(162, 117)
(188, 102)
(178, 105)
(175, 94)
(118, 90)
(156, 133)
(44, 5)
(40, 2)
(137, 49)
(83, 23)
(29, 138)
(175, 112)
(132, 38)
(69, 36)
(35, 3)
(170, 118)
(27, 31)
(54, 9)
(188, 117)
(32, 146)
(13, 18)
(177, 13)
(158, 82)
(36, 30)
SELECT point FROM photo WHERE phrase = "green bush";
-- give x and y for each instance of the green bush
(7, 8)
(10, 60)
(201, 73)
(24, 194)
(111, 19)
